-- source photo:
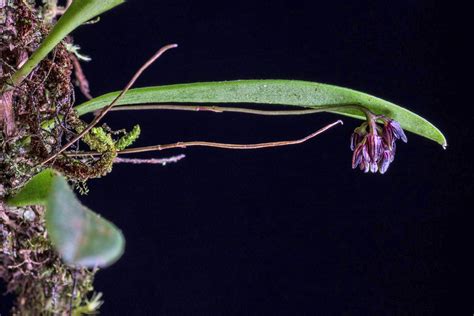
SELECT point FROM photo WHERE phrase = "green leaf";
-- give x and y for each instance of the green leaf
(78, 13)
(80, 236)
(278, 92)
(36, 191)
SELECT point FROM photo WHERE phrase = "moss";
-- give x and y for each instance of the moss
(32, 269)
(128, 139)
(29, 266)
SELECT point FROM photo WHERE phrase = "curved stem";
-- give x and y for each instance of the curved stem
(212, 144)
(221, 109)
(215, 109)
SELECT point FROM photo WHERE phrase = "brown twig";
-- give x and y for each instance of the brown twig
(211, 144)
(105, 110)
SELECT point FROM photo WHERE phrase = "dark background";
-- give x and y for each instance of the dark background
(288, 231)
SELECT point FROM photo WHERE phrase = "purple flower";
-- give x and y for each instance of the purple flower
(374, 149)
(358, 135)
(387, 158)
(392, 131)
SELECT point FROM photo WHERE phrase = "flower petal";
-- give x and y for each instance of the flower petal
(387, 158)
(398, 131)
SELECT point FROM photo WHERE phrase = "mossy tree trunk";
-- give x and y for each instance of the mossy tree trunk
(28, 264)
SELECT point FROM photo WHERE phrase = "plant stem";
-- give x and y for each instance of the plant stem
(211, 144)
(215, 109)
(222, 109)
(47, 125)
(105, 110)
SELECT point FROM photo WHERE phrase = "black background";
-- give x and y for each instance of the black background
(288, 231)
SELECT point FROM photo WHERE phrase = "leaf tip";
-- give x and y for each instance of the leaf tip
(443, 142)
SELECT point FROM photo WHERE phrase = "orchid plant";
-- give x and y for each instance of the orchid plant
(51, 245)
